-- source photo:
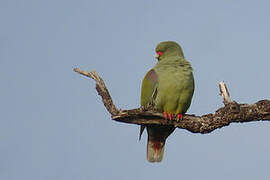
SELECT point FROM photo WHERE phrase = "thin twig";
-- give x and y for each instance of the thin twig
(224, 93)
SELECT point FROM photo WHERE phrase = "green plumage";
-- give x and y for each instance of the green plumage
(169, 87)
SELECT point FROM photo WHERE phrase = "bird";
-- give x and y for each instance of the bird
(168, 87)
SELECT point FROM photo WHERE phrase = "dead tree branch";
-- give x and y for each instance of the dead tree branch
(232, 111)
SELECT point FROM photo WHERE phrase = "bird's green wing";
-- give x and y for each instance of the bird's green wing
(148, 92)
(149, 88)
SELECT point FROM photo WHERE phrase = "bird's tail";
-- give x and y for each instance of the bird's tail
(155, 150)
(157, 136)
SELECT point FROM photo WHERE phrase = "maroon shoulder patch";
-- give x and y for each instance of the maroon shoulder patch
(152, 76)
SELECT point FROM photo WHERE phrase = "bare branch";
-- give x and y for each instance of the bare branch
(230, 113)
(101, 89)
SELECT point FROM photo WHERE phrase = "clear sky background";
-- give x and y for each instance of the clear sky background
(53, 124)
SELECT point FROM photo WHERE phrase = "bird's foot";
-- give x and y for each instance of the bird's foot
(168, 115)
(179, 117)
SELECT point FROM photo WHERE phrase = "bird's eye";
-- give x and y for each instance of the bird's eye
(159, 53)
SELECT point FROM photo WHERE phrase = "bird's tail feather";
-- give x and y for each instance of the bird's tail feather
(155, 150)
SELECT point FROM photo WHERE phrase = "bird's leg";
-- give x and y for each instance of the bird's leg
(166, 115)
(179, 116)
(170, 116)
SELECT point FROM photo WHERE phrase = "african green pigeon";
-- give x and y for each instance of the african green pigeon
(168, 87)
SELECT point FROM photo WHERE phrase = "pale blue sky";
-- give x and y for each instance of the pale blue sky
(53, 124)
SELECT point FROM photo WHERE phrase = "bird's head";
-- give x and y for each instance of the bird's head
(168, 48)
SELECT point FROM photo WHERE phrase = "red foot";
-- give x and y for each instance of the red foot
(166, 115)
(179, 116)
(170, 116)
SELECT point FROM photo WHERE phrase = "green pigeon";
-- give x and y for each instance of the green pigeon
(168, 87)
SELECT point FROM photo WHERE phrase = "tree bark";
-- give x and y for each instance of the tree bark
(232, 111)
